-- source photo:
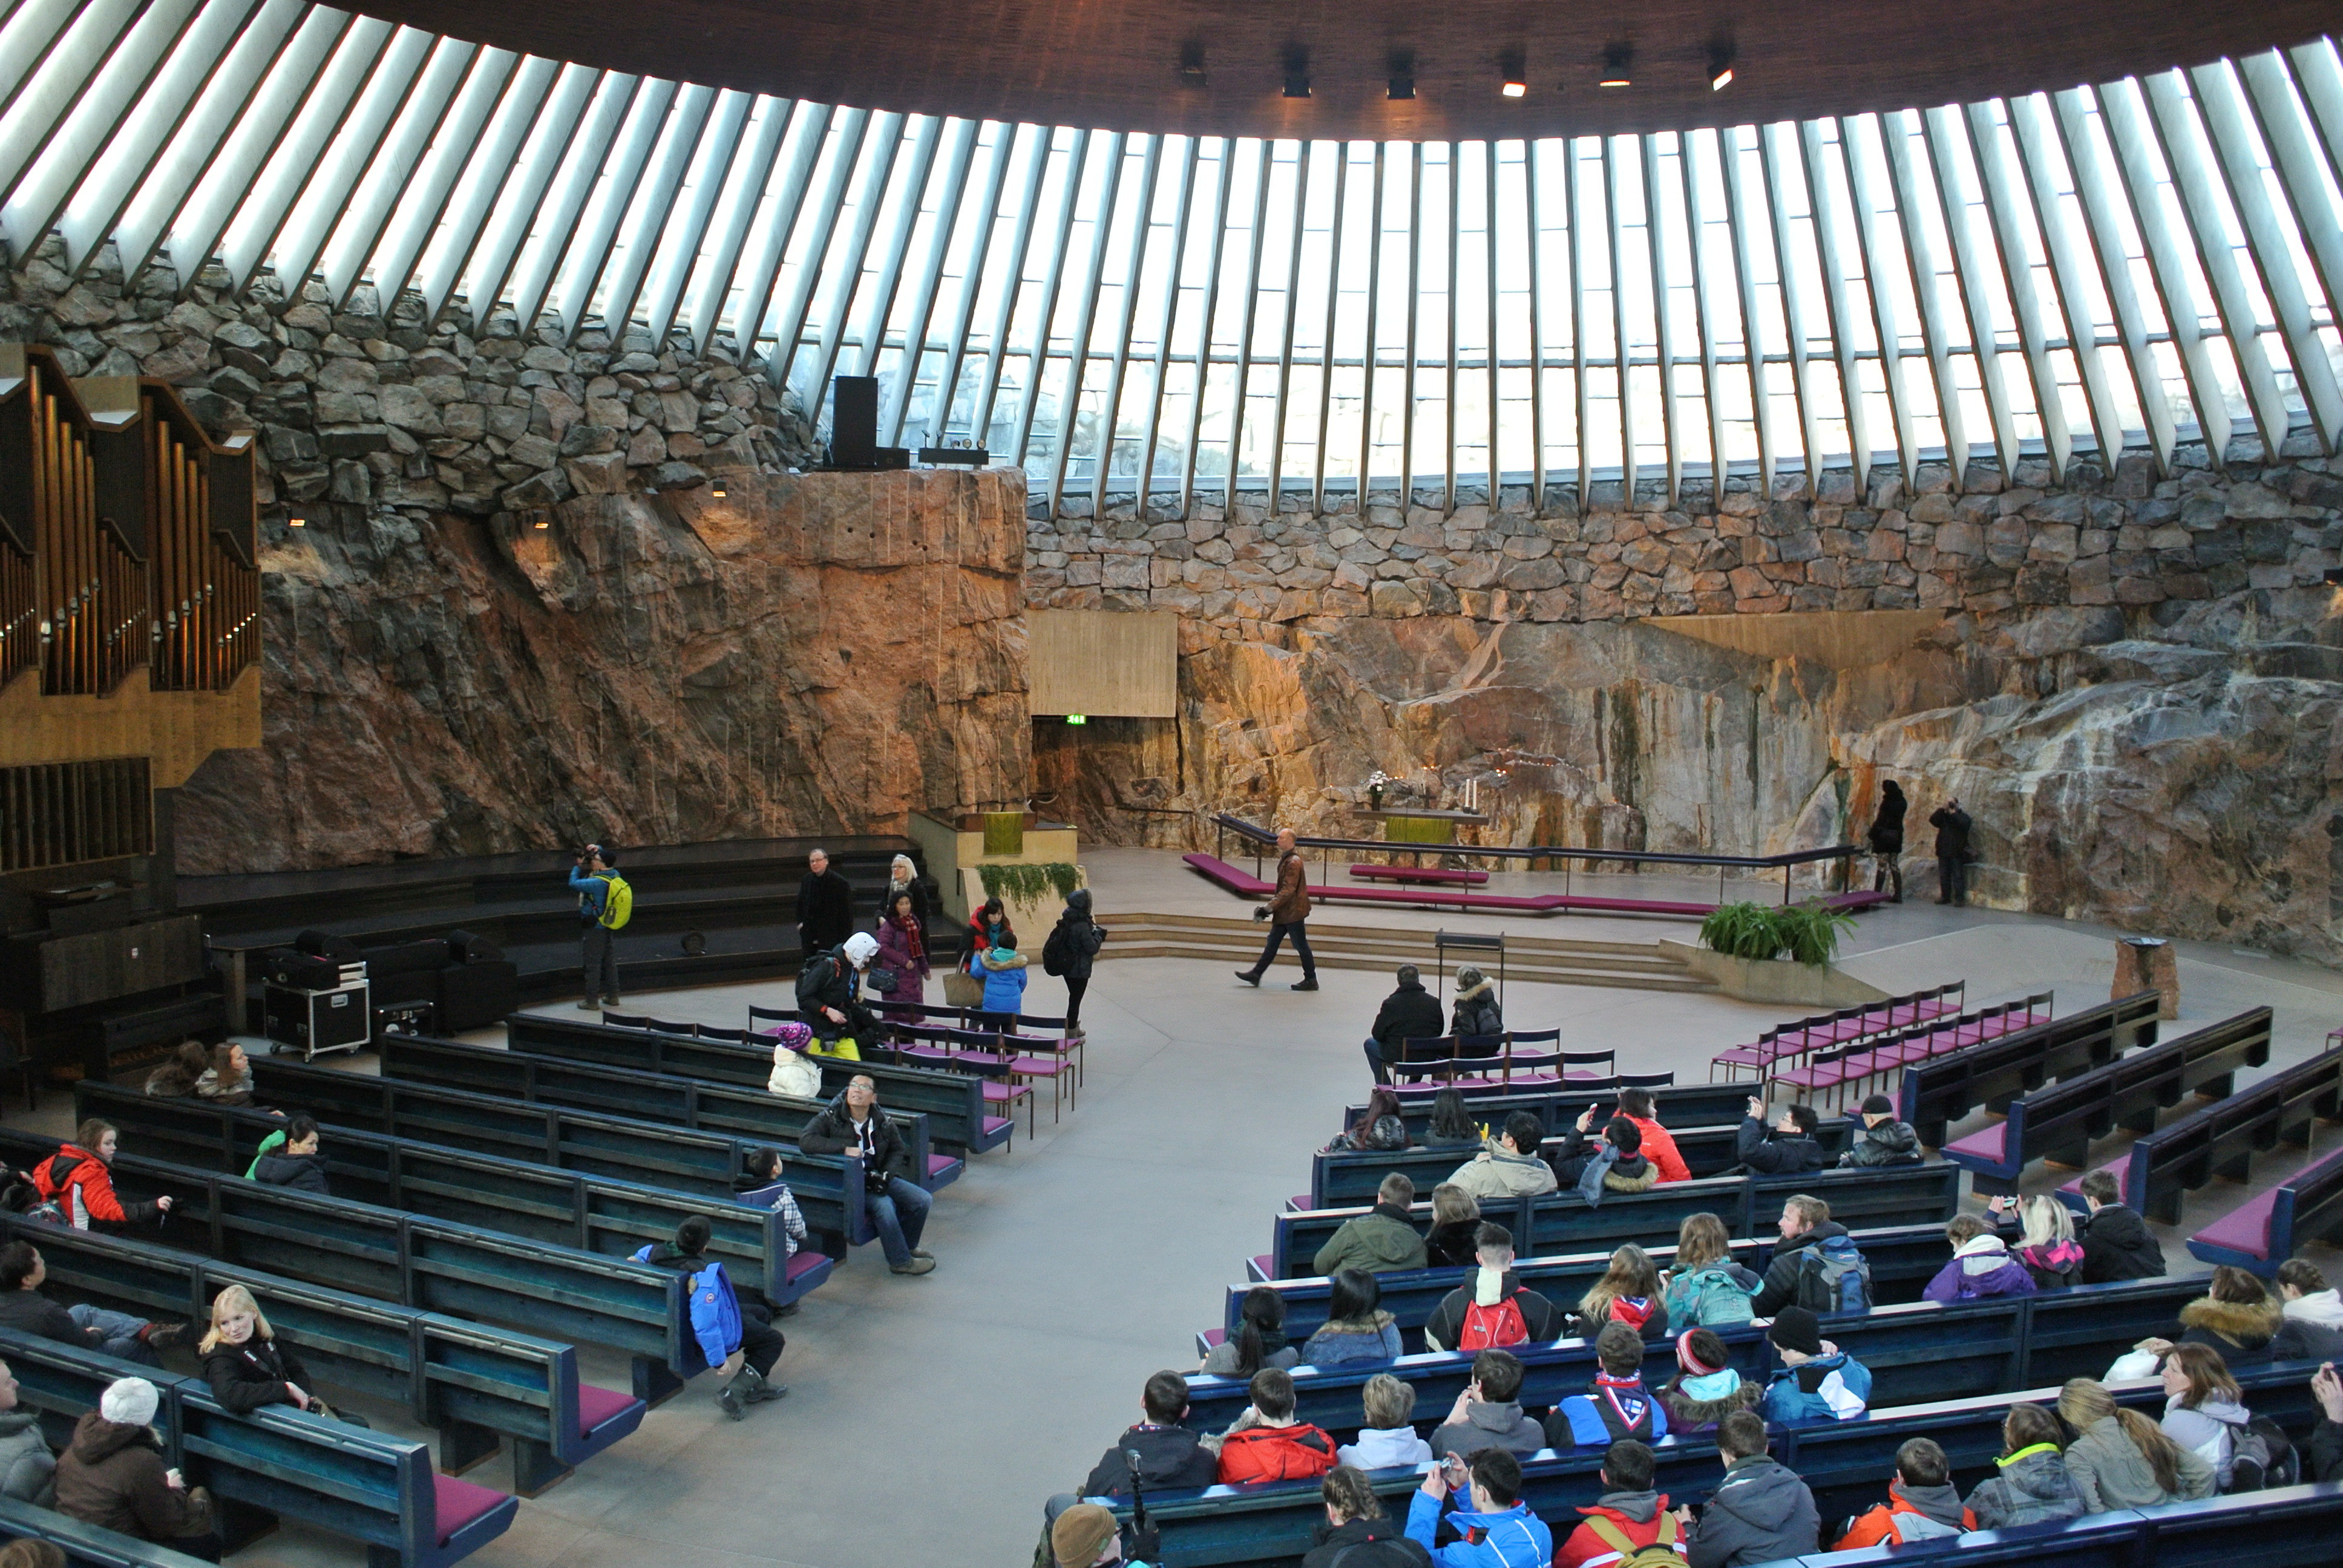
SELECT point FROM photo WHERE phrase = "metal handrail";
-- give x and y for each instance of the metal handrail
(1259, 837)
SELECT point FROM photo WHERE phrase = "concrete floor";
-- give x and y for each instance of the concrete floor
(929, 1416)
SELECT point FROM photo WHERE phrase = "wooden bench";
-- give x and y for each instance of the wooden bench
(1556, 1105)
(460, 1270)
(2265, 1230)
(1353, 1176)
(1847, 1069)
(952, 1102)
(2058, 1122)
(473, 1382)
(87, 1545)
(593, 1213)
(278, 1461)
(1843, 1464)
(2221, 1139)
(1429, 874)
(1943, 1088)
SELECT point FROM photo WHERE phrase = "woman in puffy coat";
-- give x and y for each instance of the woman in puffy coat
(2030, 1484)
(794, 1074)
(903, 950)
(1382, 1125)
(79, 1180)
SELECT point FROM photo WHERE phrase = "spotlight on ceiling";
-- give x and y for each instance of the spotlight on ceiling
(1297, 75)
(1617, 60)
(1516, 82)
(716, 488)
(1192, 64)
(1401, 83)
(545, 520)
(2334, 578)
(1720, 67)
(296, 522)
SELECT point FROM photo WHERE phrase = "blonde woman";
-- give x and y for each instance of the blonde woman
(903, 879)
(244, 1362)
(1628, 1292)
(2124, 1460)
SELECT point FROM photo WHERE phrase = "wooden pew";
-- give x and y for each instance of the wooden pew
(473, 1382)
(460, 1270)
(1558, 1106)
(279, 1462)
(2058, 1121)
(593, 1213)
(86, 1545)
(953, 1102)
(1353, 1176)
(2265, 1230)
(1942, 1089)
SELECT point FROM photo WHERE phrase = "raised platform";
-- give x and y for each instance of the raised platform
(1245, 885)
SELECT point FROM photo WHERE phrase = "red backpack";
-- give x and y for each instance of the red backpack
(1490, 1327)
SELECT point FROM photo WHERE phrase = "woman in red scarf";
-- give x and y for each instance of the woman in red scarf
(1628, 1292)
(903, 949)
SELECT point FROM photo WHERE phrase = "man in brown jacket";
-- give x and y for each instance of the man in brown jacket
(1288, 906)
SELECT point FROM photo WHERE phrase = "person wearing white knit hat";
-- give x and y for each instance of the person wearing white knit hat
(112, 1475)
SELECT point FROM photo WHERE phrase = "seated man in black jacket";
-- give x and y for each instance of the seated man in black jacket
(1791, 1146)
(2116, 1243)
(24, 1309)
(1410, 1012)
(897, 1203)
(1170, 1457)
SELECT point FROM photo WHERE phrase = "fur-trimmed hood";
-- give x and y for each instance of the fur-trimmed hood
(2237, 1322)
(1487, 988)
(1686, 1411)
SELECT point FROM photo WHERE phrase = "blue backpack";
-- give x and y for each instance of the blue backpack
(1706, 1297)
(1834, 1278)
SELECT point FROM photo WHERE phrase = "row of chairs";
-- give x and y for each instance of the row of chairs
(1844, 1072)
(1796, 1040)
(1524, 1058)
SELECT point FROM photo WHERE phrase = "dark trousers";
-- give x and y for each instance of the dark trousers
(1075, 990)
(1952, 880)
(1278, 931)
(1375, 1061)
(1888, 867)
(602, 962)
(760, 1343)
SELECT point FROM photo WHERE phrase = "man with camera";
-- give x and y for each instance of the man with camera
(898, 1205)
(592, 878)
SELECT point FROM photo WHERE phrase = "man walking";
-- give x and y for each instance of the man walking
(1952, 854)
(1288, 906)
(593, 878)
(825, 906)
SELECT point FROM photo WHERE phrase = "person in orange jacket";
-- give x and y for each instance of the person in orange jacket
(1636, 1105)
(1629, 1515)
(1921, 1502)
(77, 1179)
(1267, 1444)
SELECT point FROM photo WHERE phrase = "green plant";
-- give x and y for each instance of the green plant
(1026, 883)
(1810, 932)
(1741, 931)
(1806, 933)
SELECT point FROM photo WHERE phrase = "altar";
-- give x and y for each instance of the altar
(1421, 824)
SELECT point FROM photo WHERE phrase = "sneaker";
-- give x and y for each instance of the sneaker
(788, 1312)
(730, 1398)
(163, 1336)
(917, 1265)
(921, 1253)
(1250, 977)
(766, 1392)
(591, 1004)
(1307, 982)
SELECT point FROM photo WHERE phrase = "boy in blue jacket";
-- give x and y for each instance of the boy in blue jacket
(1818, 1382)
(1004, 984)
(737, 1337)
(1499, 1529)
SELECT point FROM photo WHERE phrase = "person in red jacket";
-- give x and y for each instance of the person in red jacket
(1637, 1106)
(77, 1179)
(1921, 1502)
(1267, 1444)
(1627, 1516)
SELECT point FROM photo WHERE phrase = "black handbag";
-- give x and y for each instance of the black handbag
(883, 981)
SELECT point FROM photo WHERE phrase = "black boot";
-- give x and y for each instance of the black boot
(1250, 977)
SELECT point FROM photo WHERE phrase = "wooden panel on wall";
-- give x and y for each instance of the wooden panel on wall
(177, 730)
(1121, 664)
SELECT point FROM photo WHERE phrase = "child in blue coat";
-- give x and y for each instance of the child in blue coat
(1004, 984)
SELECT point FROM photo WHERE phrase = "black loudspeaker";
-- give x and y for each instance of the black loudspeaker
(854, 421)
(326, 945)
(467, 949)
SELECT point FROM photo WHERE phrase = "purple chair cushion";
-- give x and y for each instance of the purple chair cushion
(2245, 1228)
(460, 1502)
(595, 1406)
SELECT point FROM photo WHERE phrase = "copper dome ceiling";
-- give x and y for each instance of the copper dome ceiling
(1116, 64)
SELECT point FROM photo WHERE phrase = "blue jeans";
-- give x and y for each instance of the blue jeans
(1375, 1061)
(901, 1214)
(1278, 931)
(118, 1332)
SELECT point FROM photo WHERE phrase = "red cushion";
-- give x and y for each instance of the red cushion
(2245, 1228)
(460, 1502)
(993, 1124)
(1993, 1144)
(803, 1262)
(596, 1406)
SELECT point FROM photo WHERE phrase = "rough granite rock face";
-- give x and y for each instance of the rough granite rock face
(810, 653)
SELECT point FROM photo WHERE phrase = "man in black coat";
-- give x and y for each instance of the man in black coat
(1805, 1222)
(897, 1203)
(1953, 852)
(2116, 1242)
(1791, 1147)
(825, 906)
(1411, 1012)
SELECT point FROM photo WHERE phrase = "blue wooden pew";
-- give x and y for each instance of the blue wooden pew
(2289, 1525)
(2058, 1121)
(86, 1545)
(277, 1461)
(594, 1213)
(1846, 1463)
(444, 1267)
(1354, 1176)
(2264, 1231)
(953, 1101)
(1941, 1090)
(1558, 1106)
(1903, 1259)
(1917, 1350)
(474, 1381)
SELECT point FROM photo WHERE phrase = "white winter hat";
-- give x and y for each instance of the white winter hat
(860, 948)
(129, 1402)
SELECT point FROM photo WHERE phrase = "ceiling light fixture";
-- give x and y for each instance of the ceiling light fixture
(1516, 82)
(1720, 67)
(1401, 83)
(716, 488)
(1297, 72)
(1617, 60)
(296, 522)
(1192, 63)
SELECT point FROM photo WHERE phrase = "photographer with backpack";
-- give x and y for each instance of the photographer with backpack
(1815, 1266)
(829, 1000)
(1071, 948)
(605, 904)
